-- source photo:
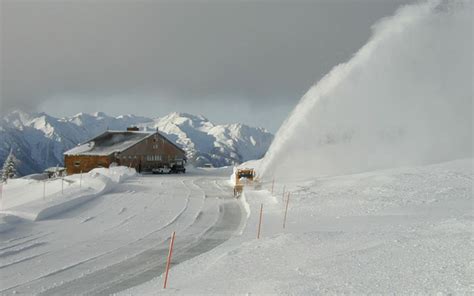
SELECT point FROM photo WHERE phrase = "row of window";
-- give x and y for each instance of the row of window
(129, 157)
(148, 157)
(153, 157)
(77, 163)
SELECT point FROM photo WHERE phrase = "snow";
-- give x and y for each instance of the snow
(400, 230)
(36, 200)
(109, 143)
(122, 231)
(405, 98)
(219, 145)
(371, 207)
(403, 230)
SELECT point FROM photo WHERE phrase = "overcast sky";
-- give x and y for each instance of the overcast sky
(231, 61)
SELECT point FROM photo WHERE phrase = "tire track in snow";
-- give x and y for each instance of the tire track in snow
(77, 263)
(150, 263)
(38, 282)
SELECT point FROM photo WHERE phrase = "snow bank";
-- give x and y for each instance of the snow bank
(78, 189)
(7, 222)
(405, 98)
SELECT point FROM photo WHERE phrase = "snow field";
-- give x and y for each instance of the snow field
(405, 230)
(117, 239)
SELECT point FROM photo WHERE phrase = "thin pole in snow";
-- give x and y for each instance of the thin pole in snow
(80, 181)
(62, 185)
(286, 210)
(260, 221)
(168, 261)
(283, 194)
(44, 190)
(273, 184)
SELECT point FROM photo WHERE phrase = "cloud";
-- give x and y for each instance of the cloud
(261, 52)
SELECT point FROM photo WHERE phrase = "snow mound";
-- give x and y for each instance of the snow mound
(24, 198)
(405, 98)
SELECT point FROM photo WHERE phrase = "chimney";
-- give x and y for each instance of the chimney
(132, 129)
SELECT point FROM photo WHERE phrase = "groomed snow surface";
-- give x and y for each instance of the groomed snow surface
(404, 230)
(110, 231)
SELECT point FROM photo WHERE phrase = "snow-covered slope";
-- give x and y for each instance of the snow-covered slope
(395, 231)
(38, 140)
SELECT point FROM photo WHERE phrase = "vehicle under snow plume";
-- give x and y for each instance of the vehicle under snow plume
(405, 98)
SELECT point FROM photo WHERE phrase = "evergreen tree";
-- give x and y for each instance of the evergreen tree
(9, 170)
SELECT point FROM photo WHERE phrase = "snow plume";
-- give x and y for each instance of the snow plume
(405, 98)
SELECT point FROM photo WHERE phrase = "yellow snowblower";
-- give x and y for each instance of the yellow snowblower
(243, 177)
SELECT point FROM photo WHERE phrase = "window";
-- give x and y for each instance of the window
(77, 164)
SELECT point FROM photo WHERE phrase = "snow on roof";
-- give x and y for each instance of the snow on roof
(109, 143)
(54, 169)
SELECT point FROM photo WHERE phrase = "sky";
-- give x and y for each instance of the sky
(231, 61)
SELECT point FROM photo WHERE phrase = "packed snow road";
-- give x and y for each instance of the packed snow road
(120, 239)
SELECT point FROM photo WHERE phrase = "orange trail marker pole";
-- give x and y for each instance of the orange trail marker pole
(286, 209)
(168, 262)
(273, 184)
(260, 221)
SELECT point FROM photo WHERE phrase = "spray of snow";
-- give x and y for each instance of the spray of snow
(405, 98)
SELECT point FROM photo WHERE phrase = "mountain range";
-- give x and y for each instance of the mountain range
(38, 140)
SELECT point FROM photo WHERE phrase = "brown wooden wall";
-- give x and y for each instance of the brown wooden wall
(136, 156)
(76, 164)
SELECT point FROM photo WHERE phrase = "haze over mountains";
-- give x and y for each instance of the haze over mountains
(38, 140)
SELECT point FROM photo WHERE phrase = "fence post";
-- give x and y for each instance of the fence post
(273, 184)
(286, 210)
(283, 194)
(260, 221)
(44, 189)
(168, 261)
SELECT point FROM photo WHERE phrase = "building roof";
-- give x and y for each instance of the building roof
(109, 142)
(54, 169)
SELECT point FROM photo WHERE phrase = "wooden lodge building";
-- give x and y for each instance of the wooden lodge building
(144, 151)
